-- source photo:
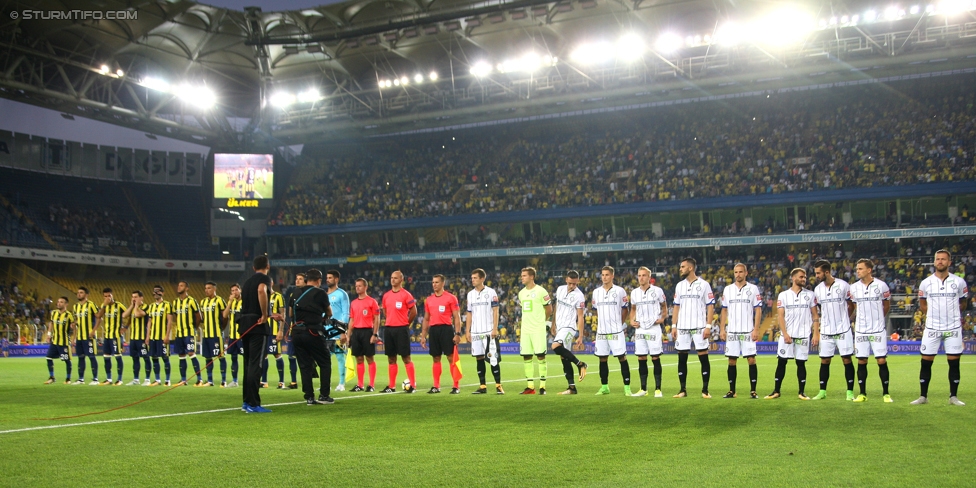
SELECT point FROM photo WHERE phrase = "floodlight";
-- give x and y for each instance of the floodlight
(730, 34)
(668, 43)
(870, 16)
(592, 53)
(782, 27)
(119, 72)
(630, 47)
(103, 69)
(914, 10)
(418, 78)
(199, 96)
(155, 83)
(432, 76)
(404, 80)
(282, 99)
(891, 13)
(309, 96)
(481, 68)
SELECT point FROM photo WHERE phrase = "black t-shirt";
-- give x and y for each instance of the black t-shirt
(312, 303)
(249, 294)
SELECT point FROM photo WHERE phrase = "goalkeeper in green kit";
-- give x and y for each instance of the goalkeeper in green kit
(536, 310)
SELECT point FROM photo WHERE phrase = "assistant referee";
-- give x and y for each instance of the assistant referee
(252, 323)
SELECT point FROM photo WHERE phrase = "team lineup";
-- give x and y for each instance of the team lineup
(840, 318)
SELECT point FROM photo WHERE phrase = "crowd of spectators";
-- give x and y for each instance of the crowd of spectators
(23, 314)
(873, 135)
(82, 224)
(769, 269)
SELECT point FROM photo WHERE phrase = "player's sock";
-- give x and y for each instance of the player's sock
(393, 370)
(196, 368)
(824, 375)
(481, 371)
(182, 369)
(642, 373)
(411, 374)
(862, 377)
(604, 373)
(293, 367)
(883, 374)
(223, 369)
(733, 372)
(264, 370)
(437, 369)
(120, 365)
(50, 368)
(753, 376)
(625, 371)
(94, 366)
(706, 370)
(280, 364)
(568, 371)
(657, 372)
(67, 368)
(148, 365)
(527, 367)
(372, 374)
(234, 366)
(543, 371)
(566, 354)
(108, 368)
(360, 373)
(849, 375)
(167, 367)
(136, 368)
(954, 376)
(81, 367)
(925, 377)
(341, 361)
(780, 373)
(682, 369)
(496, 372)
(155, 368)
(801, 374)
(210, 371)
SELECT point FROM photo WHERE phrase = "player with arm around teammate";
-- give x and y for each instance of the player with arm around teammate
(798, 317)
(872, 301)
(836, 335)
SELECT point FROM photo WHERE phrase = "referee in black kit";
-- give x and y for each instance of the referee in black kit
(310, 306)
(252, 324)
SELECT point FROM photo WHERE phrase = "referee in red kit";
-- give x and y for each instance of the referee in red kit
(442, 321)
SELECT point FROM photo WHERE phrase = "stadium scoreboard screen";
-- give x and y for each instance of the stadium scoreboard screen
(243, 180)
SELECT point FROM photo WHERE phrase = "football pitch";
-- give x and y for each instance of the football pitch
(222, 187)
(199, 436)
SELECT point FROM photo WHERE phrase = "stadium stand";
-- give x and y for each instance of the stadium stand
(917, 132)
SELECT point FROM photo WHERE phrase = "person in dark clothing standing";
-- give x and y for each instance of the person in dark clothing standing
(252, 323)
(310, 307)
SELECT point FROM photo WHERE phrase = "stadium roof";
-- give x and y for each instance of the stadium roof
(160, 67)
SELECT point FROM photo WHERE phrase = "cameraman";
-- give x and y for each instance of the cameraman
(310, 305)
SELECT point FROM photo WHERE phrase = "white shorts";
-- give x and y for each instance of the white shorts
(479, 344)
(739, 345)
(951, 338)
(687, 336)
(867, 344)
(565, 336)
(842, 344)
(799, 349)
(647, 342)
(611, 344)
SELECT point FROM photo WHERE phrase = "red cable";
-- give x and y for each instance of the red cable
(198, 374)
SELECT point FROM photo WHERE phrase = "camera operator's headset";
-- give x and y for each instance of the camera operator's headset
(331, 328)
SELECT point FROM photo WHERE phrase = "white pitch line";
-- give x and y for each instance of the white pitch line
(218, 410)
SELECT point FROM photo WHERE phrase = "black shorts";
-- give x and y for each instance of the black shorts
(359, 342)
(440, 340)
(397, 341)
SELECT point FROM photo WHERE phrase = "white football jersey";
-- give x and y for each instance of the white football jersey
(567, 304)
(833, 300)
(943, 298)
(693, 299)
(869, 317)
(609, 305)
(799, 313)
(741, 304)
(482, 305)
(647, 305)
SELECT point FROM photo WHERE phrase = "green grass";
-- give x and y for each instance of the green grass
(221, 190)
(422, 439)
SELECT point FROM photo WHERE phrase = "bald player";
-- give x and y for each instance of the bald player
(739, 326)
(400, 309)
(648, 311)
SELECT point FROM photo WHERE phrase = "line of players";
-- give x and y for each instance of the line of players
(845, 319)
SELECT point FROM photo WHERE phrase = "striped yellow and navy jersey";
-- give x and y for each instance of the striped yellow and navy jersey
(137, 325)
(211, 309)
(235, 308)
(112, 320)
(84, 316)
(277, 306)
(159, 313)
(60, 327)
(183, 309)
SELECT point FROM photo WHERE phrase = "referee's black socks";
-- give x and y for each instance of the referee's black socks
(642, 372)
(883, 374)
(481, 370)
(682, 369)
(925, 377)
(954, 376)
